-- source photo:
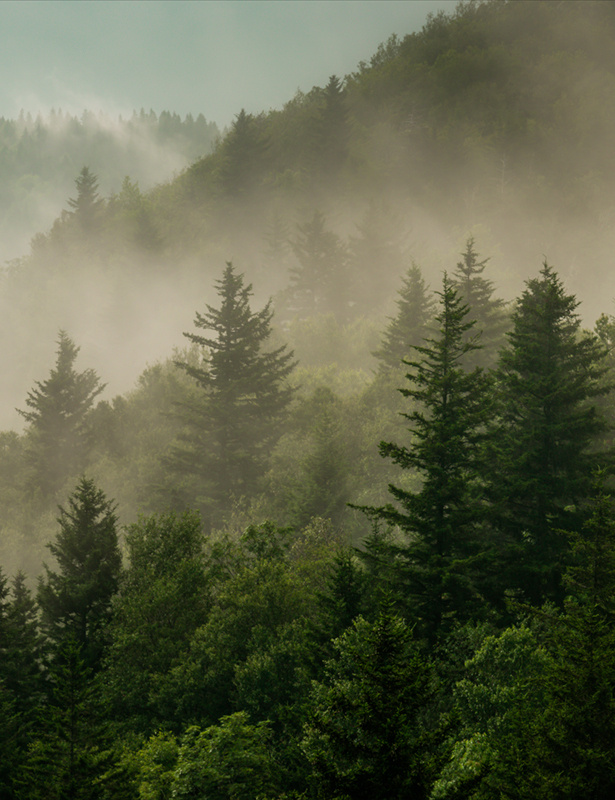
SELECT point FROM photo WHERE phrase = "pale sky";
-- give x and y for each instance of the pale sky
(213, 57)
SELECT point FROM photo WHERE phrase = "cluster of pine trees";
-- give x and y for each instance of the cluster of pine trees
(463, 649)
(312, 554)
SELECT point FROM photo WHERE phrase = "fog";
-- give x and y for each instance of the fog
(409, 179)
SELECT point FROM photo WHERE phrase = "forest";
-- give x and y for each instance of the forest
(307, 447)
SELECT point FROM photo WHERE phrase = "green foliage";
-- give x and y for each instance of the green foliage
(57, 444)
(498, 703)
(364, 737)
(489, 313)
(410, 327)
(438, 562)
(76, 601)
(244, 395)
(548, 378)
(163, 599)
(228, 761)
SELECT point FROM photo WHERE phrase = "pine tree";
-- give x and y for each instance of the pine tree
(244, 394)
(548, 376)
(76, 601)
(242, 152)
(87, 205)
(319, 281)
(441, 522)
(410, 327)
(489, 313)
(332, 129)
(364, 738)
(57, 441)
(22, 660)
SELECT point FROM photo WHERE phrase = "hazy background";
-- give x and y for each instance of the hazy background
(187, 57)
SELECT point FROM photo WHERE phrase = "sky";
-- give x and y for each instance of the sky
(213, 57)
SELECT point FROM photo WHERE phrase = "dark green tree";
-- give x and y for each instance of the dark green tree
(575, 741)
(163, 598)
(242, 157)
(58, 435)
(75, 601)
(488, 312)
(408, 329)
(87, 206)
(364, 736)
(245, 392)
(332, 129)
(64, 762)
(21, 668)
(549, 377)
(438, 562)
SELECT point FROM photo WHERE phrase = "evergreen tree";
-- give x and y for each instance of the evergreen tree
(87, 205)
(64, 762)
(22, 660)
(441, 521)
(575, 741)
(76, 601)
(242, 153)
(548, 376)
(332, 129)
(489, 313)
(163, 598)
(410, 327)
(57, 441)
(244, 394)
(319, 281)
(364, 736)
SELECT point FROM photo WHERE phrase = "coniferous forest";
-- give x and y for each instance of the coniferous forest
(308, 489)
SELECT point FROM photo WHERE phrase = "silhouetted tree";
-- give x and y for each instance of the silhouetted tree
(244, 393)
(57, 439)
(489, 312)
(410, 327)
(87, 205)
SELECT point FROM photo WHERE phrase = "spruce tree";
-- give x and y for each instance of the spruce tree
(549, 376)
(488, 312)
(416, 307)
(319, 281)
(87, 205)
(245, 392)
(364, 737)
(57, 439)
(76, 601)
(438, 562)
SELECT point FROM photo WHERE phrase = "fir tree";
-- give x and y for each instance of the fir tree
(364, 737)
(87, 205)
(244, 394)
(319, 281)
(489, 313)
(57, 440)
(548, 376)
(410, 327)
(76, 601)
(438, 562)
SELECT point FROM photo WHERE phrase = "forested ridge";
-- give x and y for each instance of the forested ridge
(350, 534)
